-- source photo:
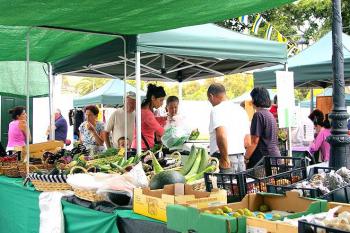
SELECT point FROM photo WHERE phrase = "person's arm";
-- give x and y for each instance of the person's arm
(152, 123)
(109, 128)
(251, 148)
(256, 129)
(316, 144)
(247, 141)
(106, 139)
(221, 141)
(97, 135)
(23, 127)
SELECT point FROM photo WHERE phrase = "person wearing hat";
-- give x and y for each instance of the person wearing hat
(116, 122)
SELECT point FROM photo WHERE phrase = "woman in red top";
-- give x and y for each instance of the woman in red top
(149, 124)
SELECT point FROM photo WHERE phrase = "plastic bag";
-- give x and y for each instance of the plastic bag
(176, 133)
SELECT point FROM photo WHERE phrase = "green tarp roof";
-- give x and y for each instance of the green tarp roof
(126, 16)
(112, 93)
(312, 67)
(221, 49)
(13, 79)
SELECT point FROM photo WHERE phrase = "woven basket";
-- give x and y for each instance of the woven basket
(32, 168)
(49, 182)
(88, 195)
(11, 171)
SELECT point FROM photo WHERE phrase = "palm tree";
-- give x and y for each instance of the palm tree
(87, 85)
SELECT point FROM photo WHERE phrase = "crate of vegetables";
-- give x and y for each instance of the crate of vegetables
(260, 212)
(270, 170)
(323, 182)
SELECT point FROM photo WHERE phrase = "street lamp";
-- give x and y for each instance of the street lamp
(339, 139)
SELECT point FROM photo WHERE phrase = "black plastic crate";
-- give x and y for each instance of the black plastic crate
(341, 194)
(274, 170)
(232, 183)
(305, 227)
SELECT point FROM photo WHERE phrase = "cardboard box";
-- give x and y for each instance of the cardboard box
(37, 150)
(181, 218)
(153, 203)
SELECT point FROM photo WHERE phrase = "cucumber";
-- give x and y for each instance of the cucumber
(204, 159)
(129, 161)
(156, 166)
(189, 163)
(200, 175)
(194, 168)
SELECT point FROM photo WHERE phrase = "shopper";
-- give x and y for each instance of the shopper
(228, 129)
(263, 130)
(17, 132)
(274, 108)
(149, 125)
(323, 130)
(123, 142)
(116, 123)
(60, 127)
(91, 130)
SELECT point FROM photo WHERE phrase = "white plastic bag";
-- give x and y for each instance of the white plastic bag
(176, 133)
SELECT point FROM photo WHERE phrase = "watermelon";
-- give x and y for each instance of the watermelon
(166, 177)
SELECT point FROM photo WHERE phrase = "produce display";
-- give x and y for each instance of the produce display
(327, 182)
(197, 164)
(263, 212)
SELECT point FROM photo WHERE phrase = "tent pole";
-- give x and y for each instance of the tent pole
(51, 104)
(138, 102)
(27, 99)
(312, 100)
(180, 91)
(289, 126)
(339, 139)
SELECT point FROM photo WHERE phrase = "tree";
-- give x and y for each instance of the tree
(87, 85)
(310, 19)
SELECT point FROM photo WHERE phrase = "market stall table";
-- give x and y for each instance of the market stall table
(20, 213)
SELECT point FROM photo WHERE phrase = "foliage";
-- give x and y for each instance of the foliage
(310, 19)
(87, 85)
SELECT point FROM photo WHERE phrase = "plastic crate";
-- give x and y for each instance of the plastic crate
(232, 183)
(280, 171)
(305, 227)
(341, 194)
(270, 170)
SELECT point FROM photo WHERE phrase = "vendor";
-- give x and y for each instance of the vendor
(172, 106)
(323, 130)
(149, 125)
(263, 130)
(17, 133)
(91, 130)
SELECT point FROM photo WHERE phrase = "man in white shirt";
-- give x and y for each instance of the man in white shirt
(229, 130)
(116, 122)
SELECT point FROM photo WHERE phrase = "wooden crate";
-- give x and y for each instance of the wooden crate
(36, 150)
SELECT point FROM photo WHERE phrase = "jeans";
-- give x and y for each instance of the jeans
(237, 163)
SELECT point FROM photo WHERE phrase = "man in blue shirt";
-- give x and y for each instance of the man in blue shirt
(61, 127)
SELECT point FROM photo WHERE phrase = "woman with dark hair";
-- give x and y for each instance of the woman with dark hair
(17, 128)
(323, 130)
(91, 130)
(263, 129)
(149, 124)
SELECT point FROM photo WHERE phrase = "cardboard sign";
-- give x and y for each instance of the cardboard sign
(286, 99)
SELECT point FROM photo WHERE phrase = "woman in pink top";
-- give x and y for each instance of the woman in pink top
(17, 128)
(320, 144)
(149, 124)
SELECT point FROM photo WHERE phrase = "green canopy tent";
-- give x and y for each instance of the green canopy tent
(126, 17)
(112, 93)
(181, 54)
(312, 67)
(109, 18)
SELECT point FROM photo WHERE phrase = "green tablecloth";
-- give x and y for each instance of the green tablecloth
(19, 212)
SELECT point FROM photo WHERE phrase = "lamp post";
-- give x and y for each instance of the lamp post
(339, 139)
